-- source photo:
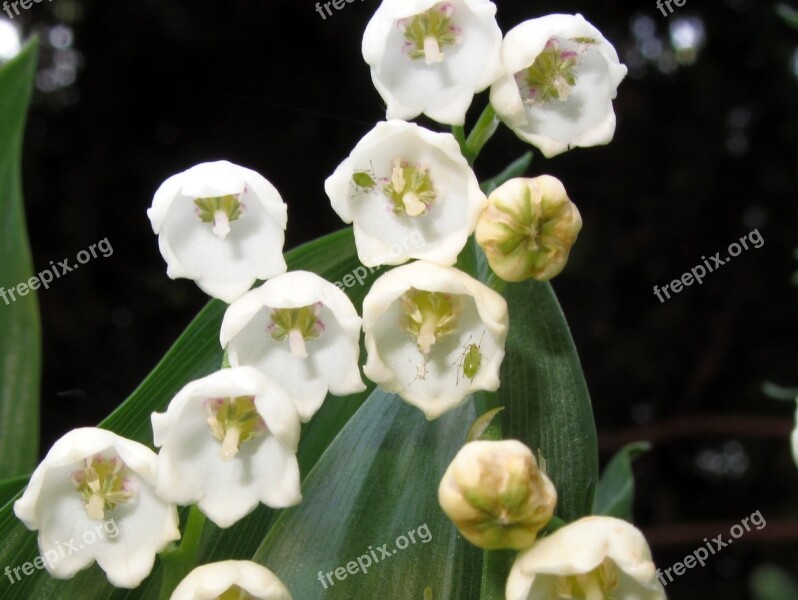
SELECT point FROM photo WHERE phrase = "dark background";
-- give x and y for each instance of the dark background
(705, 150)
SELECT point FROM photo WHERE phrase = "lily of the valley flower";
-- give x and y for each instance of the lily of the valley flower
(528, 228)
(302, 332)
(561, 76)
(229, 441)
(432, 57)
(593, 558)
(231, 580)
(221, 225)
(402, 180)
(88, 478)
(433, 335)
(496, 496)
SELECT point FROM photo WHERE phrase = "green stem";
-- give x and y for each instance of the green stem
(484, 129)
(495, 569)
(458, 131)
(553, 525)
(179, 561)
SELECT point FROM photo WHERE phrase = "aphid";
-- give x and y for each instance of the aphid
(364, 181)
(470, 360)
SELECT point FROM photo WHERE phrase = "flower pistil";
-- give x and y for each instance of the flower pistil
(427, 33)
(430, 316)
(553, 74)
(103, 484)
(410, 188)
(298, 325)
(219, 210)
(233, 421)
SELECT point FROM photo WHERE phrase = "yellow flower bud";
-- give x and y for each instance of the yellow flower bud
(528, 228)
(496, 495)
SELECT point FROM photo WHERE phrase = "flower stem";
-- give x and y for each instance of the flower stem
(179, 561)
(458, 131)
(495, 569)
(484, 129)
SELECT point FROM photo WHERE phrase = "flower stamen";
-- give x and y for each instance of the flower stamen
(236, 593)
(430, 316)
(297, 325)
(103, 485)
(551, 77)
(410, 188)
(221, 211)
(427, 33)
(598, 584)
(232, 422)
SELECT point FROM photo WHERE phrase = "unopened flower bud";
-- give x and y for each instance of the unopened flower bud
(496, 495)
(528, 228)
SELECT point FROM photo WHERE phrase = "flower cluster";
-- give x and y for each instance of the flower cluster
(434, 334)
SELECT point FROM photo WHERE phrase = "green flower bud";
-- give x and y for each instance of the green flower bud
(528, 228)
(496, 495)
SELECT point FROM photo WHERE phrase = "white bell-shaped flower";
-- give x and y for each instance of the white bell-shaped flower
(229, 441)
(233, 580)
(433, 335)
(560, 78)
(303, 332)
(431, 57)
(93, 498)
(221, 225)
(594, 557)
(403, 182)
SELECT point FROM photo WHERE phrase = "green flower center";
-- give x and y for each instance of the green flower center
(233, 421)
(553, 74)
(297, 325)
(103, 485)
(598, 584)
(236, 593)
(429, 316)
(409, 188)
(219, 210)
(427, 33)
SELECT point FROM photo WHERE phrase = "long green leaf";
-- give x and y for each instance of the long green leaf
(20, 346)
(544, 390)
(378, 481)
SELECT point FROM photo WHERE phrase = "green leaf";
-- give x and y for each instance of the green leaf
(769, 582)
(10, 487)
(20, 347)
(615, 492)
(517, 168)
(544, 390)
(376, 482)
